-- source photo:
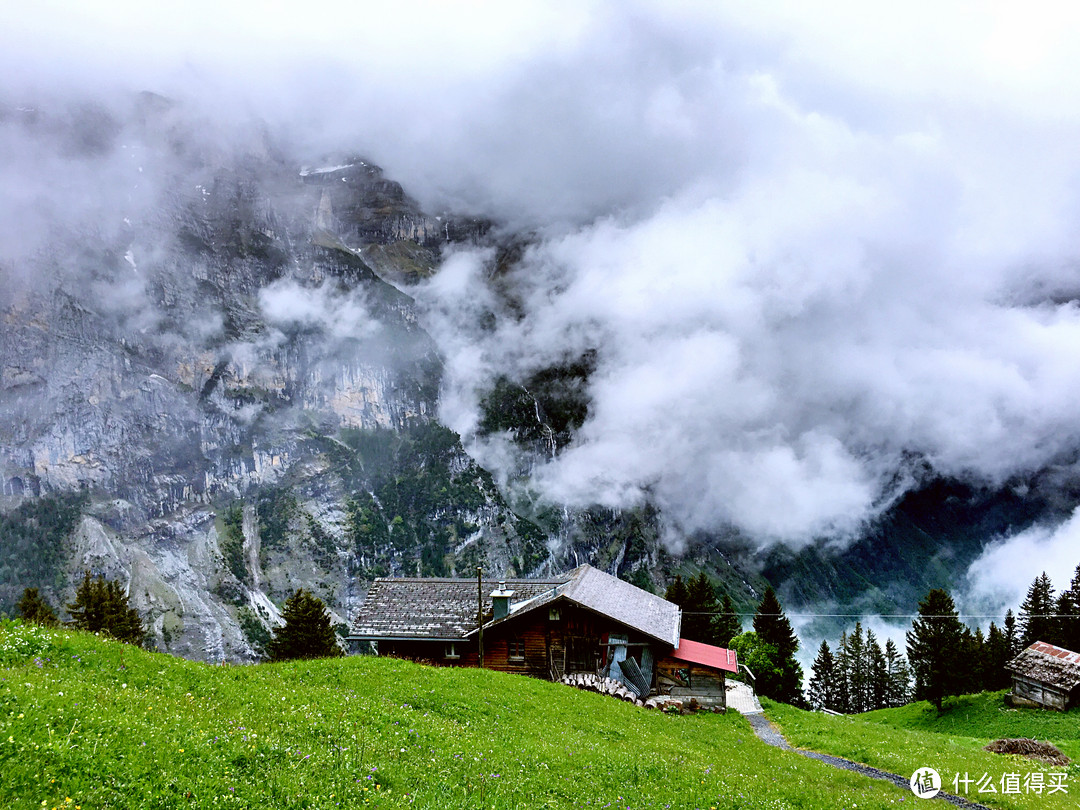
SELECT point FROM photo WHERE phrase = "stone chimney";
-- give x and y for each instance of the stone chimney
(500, 601)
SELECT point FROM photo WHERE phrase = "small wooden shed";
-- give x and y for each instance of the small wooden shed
(1046, 675)
(696, 671)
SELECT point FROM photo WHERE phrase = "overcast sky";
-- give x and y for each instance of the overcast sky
(807, 241)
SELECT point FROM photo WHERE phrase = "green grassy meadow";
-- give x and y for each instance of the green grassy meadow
(904, 739)
(91, 723)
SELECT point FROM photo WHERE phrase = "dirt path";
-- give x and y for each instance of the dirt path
(768, 733)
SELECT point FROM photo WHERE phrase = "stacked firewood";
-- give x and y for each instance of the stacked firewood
(603, 686)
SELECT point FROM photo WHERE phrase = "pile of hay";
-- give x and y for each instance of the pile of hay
(1032, 749)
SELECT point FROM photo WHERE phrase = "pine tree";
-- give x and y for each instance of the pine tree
(774, 628)
(933, 648)
(726, 624)
(997, 656)
(1036, 613)
(699, 610)
(306, 633)
(677, 592)
(101, 606)
(877, 672)
(858, 680)
(842, 682)
(822, 688)
(899, 679)
(35, 609)
(1012, 636)
(973, 667)
(1070, 622)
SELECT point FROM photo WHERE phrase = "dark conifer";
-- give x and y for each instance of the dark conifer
(899, 678)
(677, 592)
(699, 610)
(858, 676)
(1070, 622)
(933, 648)
(821, 692)
(1037, 613)
(997, 656)
(306, 633)
(774, 628)
(843, 675)
(35, 609)
(726, 624)
(1012, 635)
(877, 672)
(973, 664)
(101, 606)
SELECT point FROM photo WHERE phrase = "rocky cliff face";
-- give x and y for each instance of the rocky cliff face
(246, 402)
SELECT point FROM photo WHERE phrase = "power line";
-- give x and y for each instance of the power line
(883, 615)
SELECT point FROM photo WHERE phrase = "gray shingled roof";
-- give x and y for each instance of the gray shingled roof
(1048, 664)
(446, 608)
(433, 608)
(610, 596)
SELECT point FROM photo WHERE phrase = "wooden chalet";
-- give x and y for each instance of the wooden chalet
(1046, 675)
(584, 621)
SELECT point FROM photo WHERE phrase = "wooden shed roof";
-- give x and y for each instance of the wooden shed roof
(1048, 664)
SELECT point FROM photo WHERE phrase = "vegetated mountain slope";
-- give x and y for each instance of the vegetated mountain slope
(104, 724)
(244, 404)
(902, 740)
(926, 540)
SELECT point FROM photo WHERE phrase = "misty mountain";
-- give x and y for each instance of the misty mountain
(241, 403)
(232, 364)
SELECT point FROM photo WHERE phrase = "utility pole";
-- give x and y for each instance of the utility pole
(480, 612)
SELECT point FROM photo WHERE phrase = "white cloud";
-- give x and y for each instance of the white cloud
(339, 313)
(1000, 577)
(803, 240)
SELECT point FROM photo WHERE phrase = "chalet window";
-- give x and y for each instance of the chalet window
(553, 614)
(517, 649)
(451, 651)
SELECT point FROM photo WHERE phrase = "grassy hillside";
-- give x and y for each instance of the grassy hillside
(904, 739)
(986, 717)
(89, 723)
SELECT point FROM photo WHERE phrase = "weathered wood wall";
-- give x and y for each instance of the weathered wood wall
(432, 652)
(553, 646)
(685, 680)
(1041, 693)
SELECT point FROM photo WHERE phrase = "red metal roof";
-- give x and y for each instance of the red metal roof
(706, 654)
